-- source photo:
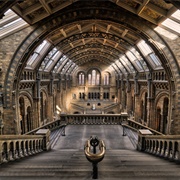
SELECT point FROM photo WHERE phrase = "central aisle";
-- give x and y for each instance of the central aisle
(76, 136)
(68, 162)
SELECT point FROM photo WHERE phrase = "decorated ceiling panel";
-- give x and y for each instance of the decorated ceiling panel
(85, 40)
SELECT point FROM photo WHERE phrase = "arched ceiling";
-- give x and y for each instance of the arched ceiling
(154, 11)
(94, 39)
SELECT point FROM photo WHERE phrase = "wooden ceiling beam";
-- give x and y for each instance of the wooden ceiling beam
(63, 32)
(108, 28)
(71, 44)
(142, 6)
(46, 6)
(124, 32)
(31, 9)
(79, 27)
(157, 9)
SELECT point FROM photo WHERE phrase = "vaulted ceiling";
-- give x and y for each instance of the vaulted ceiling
(100, 39)
(154, 11)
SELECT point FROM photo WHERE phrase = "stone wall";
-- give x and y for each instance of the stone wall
(8, 46)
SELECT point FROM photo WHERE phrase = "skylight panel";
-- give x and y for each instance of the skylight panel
(126, 63)
(63, 58)
(53, 60)
(136, 53)
(131, 56)
(149, 54)
(68, 64)
(11, 23)
(114, 67)
(41, 46)
(171, 25)
(120, 66)
(32, 58)
(176, 15)
(138, 65)
(38, 53)
(134, 56)
(70, 68)
(155, 59)
(61, 63)
(144, 47)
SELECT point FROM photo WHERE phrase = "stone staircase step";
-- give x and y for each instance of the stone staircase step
(70, 163)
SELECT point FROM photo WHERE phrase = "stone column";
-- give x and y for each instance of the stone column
(36, 102)
(122, 95)
(136, 98)
(50, 99)
(129, 97)
(101, 93)
(150, 101)
(136, 107)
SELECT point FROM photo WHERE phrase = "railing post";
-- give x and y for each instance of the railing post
(141, 139)
(1, 153)
(178, 152)
(123, 123)
(63, 133)
(46, 139)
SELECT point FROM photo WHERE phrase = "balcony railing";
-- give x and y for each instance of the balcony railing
(111, 119)
(166, 146)
(18, 146)
(136, 126)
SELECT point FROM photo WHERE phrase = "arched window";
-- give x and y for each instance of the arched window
(106, 79)
(89, 79)
(25, 114)
(81, 79)
(93, 77)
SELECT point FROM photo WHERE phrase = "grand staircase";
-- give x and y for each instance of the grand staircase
(67, 160)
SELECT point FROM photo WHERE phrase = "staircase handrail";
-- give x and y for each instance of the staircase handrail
(51, 126)
(111, 106)
(78, 106)
(17, 146)
(134, 125)
(166, 146)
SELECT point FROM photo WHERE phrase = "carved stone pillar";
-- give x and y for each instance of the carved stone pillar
(51, 100)
(136, 98)
(150, 102)
(129, 98)
(36, 102)
(137, 107)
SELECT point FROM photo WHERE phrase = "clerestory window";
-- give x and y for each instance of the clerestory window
(81, 79)
(94, 77)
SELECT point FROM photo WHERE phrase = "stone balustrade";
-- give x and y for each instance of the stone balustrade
(104, 119)
(19, 146)
(51, 126)
(136, 126)
(167, 146)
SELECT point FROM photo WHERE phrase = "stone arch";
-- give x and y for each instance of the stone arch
(110, 112)
(81, 77)
(76, 112)
(142, 112)
(106, 77)
(43, 106)
(61, 19)
(43, 30)
(162, 112)
(25, 112)
(97, 74)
